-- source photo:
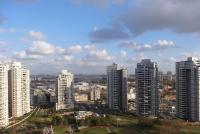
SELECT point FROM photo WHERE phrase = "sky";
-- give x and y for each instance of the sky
(85, 36)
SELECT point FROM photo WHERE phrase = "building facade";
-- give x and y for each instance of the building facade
(3, 95)
(117, 86)
(95, 93)
(64, 90)
(147, 88)
(25, 90)
(19, 90)
(188, 89)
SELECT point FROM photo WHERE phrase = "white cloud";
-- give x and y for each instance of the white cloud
(3, 43)
(75, 48)
(24, 55)
(123, 53)
(11, 30)
(41, 48)
(164, 44)
(36, 35)
(68, 57)
(89, 47)
(98, 55)
(159, 45)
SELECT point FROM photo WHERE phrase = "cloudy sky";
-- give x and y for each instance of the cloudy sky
(84, 36)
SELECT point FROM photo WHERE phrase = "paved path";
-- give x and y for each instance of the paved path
(13, 125)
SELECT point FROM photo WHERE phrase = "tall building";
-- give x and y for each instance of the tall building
(64, 90)
(18, 85)
(188, 89)
(147, 88)
(3, 95)
(25, 90)
(117, 78)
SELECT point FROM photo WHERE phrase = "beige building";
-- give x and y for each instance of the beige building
(3, 95)
(81, 97)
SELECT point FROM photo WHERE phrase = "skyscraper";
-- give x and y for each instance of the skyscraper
(64, 90)
(117, 78)
(3, 95)
(15, 90)
(147, 88)
(19, 97)
(188, 89)
(25, 90)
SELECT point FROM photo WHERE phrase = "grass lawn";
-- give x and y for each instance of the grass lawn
(60, 129)
(98, 130)
(190, 131)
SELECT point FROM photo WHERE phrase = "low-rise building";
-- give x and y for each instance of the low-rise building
(81, 97)
(81, 86)
(95, 93)
(81, 115)
(43, 97)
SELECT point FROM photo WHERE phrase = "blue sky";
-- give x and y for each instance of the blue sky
(85, 36)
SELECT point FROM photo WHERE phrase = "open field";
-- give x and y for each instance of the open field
(116, 124)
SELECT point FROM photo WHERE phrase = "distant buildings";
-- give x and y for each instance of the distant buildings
(188, 89)
(95, 93)
(81, 86)
(19, 90)
(64, 85)
(3, 95)
(147, 88)
(117, 87)
(80, 97)
(43, 97)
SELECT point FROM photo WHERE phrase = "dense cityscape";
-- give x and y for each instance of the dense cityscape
(148, 94)
(99, 67)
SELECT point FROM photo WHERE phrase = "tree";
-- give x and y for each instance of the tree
(57, 120)
(71, 120)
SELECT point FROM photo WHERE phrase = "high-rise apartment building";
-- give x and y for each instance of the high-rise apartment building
(25, 90)
(64, 90)
(3, 95)
(188, 89)
(19, 90)
(147, 88)
(117, 78)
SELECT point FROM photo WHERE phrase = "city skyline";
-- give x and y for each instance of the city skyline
(85, 36)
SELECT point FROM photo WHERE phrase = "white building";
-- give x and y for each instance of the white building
(188, 89)
(131, 94)
(64, 90)
(25, 90)
(19, 90)
(147, 88)
(95, 93)
(3, 96)
(117, 78)
(81, 86)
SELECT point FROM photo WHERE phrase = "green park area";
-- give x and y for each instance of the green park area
(110, 124)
